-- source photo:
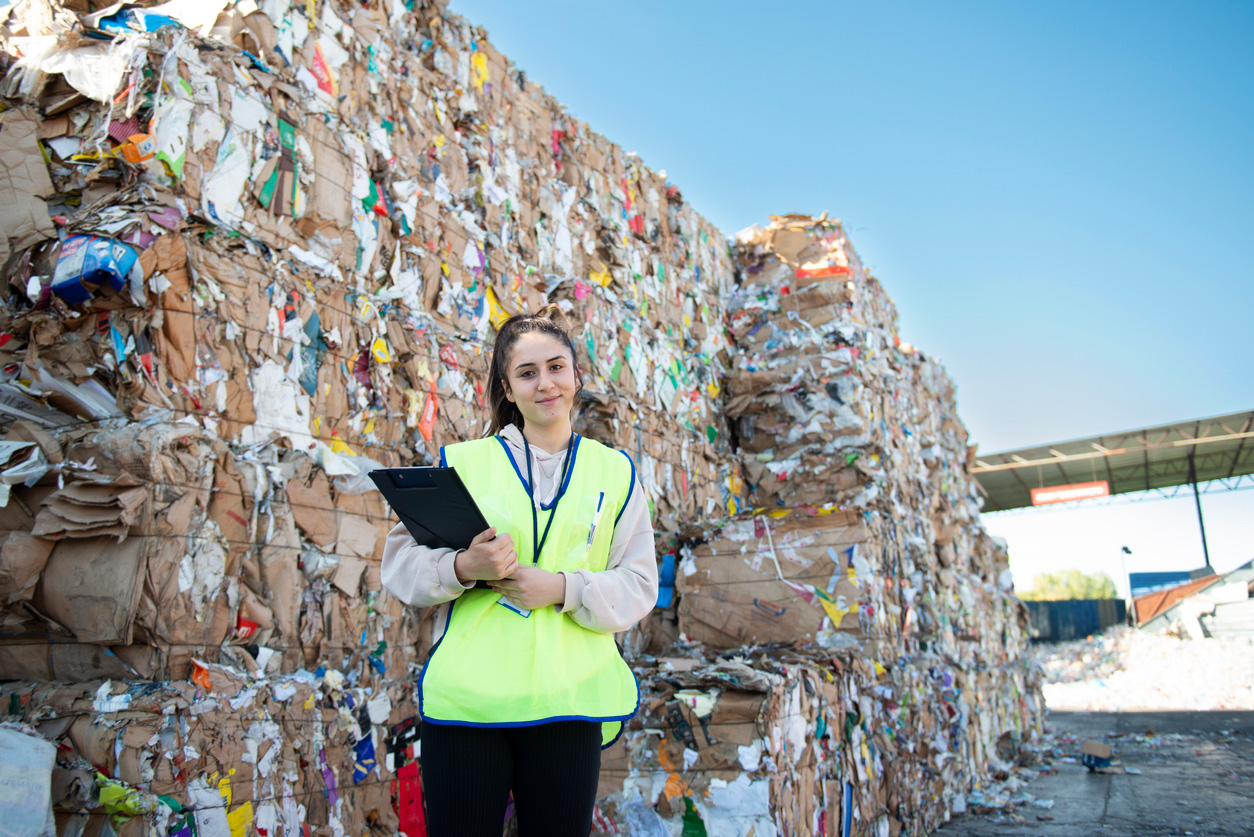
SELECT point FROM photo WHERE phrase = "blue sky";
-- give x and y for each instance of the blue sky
(1056, 196)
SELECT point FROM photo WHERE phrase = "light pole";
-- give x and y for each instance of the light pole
(1130, 616)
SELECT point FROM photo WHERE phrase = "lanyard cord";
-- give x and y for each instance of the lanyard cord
(537, 542)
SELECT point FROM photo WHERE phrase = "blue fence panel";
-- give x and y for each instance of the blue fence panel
(1075, 618)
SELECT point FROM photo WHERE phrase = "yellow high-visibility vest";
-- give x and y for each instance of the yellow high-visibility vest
(496, 668)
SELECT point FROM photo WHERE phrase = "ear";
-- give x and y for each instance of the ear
(509, 396)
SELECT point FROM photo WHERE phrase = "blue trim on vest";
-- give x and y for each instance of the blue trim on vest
(620, 719)
(443, 461)
(574, 454)
(622, 727)
(505, 448)
(514, 724)
(630, 488)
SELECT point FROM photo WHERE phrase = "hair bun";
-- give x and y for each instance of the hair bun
(553, 313)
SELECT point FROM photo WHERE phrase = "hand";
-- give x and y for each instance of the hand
(488, 557)
(531, 587)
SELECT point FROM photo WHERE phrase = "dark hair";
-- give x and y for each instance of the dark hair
(548, 320)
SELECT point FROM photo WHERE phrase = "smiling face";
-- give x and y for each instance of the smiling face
(541, 380)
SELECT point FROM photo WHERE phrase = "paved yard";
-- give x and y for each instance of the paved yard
(1196, 776)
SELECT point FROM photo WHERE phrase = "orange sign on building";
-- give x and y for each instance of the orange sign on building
(1068, 493)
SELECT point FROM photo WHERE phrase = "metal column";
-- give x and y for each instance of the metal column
(1197, 499)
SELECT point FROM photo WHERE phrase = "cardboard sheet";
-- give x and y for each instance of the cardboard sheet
(24, 183)
(92, 585)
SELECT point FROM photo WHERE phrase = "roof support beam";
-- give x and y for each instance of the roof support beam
(1020, 462)
(1236, 454)
(1197, 499)
(1166, 459)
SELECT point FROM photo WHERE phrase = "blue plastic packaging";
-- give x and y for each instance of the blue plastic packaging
(666, 581)
(88, 262)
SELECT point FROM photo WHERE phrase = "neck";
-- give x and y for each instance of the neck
(549, 438)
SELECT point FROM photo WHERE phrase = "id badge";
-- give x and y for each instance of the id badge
(508, 605)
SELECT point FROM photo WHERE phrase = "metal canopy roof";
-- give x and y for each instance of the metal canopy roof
(1221, 448)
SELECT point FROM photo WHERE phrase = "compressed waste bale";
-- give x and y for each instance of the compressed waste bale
(789, 741)
(256, 250)
(282, 754)
(312, 223)
(857, 575)
(327, 267)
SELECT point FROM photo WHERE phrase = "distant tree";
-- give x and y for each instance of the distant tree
(1070, 584)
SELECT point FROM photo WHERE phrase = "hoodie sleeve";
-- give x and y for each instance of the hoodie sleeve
(622, 594)
(418, 575)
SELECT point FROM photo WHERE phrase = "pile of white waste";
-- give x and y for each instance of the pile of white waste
(1126, 670)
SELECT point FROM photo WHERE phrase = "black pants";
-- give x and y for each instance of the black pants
(468, 772)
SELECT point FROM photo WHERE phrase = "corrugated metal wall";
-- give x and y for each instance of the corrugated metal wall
(1074, 618)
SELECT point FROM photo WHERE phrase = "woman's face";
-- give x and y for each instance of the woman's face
(540, 379)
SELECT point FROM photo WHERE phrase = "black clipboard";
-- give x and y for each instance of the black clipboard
(433, 503)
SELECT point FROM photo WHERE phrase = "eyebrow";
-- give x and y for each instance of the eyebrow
(550, 360)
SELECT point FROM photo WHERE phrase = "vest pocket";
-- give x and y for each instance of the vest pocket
(578, 548)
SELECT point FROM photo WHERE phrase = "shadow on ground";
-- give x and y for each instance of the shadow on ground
(1196, 776)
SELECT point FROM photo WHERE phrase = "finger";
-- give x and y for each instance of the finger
(484, 536)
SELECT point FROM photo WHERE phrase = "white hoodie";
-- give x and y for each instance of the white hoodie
(607, 602)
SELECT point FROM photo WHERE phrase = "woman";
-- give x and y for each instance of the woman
(526, 684)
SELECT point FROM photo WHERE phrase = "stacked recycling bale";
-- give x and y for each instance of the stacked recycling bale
(377, 192)
(862, 592)
(288, 238)
(254, 251)
(785, 741)
(867, 527)
(226, 754)
(792, 740)
(851, 442)
(148, 545)
(257, 251)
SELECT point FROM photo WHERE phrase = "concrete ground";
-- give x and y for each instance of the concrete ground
(1196, 777)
